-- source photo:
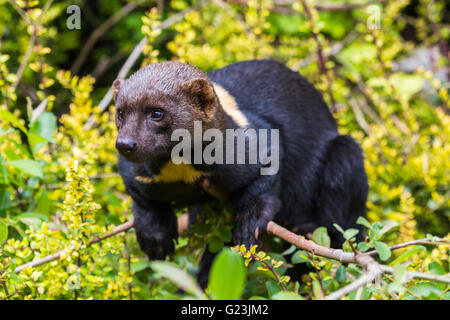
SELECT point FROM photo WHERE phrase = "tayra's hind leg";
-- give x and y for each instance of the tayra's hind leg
(342, 187)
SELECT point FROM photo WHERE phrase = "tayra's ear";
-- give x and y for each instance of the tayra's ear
(116, 87)
(201, 94)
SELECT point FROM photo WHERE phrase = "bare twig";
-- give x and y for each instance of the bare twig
(288, 236)
(131, 60)
(322, 63)
(419, 275)
(412, 243)
(33, 37)
(284, 6)
(98, 33)
(373, 271)
(24, 62)
(121, 228)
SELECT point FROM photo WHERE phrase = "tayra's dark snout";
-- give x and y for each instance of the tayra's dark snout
(126, 146)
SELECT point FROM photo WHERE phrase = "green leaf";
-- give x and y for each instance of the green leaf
(383, 250)
(285, 24)
(215, 244)
(5, 132)
(364, 246)
(374, 231)
(399, 273)
(3, 232)
(5, 197)
(227, 277)
(9, 117)
(289, 251)
(287, 295)
(321, 237)
(42, 131)
(44, 203)
(139, 265)
(272, 288)
(407, 254)
(33, 219)
(3, 171)
(201, 228)
(425, 290)
(363, 221)
(350, 233)
(407, 84)
(436, 268)
(364, 294)
(36, 215)
(178, 276)
(317, 289)
(36, 142)
(341, 274)
(338, 228)
(300, 257)
(225, 233)
(31, 167)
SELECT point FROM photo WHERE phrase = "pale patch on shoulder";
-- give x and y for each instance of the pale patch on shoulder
(230, 106)
(172, 172)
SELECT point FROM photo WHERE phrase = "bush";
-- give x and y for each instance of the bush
(59, 191)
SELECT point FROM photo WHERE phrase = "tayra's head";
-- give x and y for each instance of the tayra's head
(155, 101)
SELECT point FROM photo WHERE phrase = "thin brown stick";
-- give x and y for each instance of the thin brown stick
(24, 62)
(284, 6)
(322, 63)
(412, 243)
(121, 228)
(308, 245)
(373, 271)
(363, 260)
(99, 32)
(33, 37)
(135, 54)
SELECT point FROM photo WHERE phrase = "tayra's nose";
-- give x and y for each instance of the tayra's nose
(126, 146)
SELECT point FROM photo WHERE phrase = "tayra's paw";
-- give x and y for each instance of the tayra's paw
(157, 246)
(252, 217)
(249, 232)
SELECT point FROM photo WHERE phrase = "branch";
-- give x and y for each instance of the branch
(121, 228)
(98, 33)
(412, 243)
(301, 243)
(33, 37)
(135, 55)
(283, 6)
(24, 62)
(373, 271)
(322, 62)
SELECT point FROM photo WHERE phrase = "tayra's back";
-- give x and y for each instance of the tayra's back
(276, 93)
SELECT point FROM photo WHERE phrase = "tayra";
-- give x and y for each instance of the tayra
(320, 178)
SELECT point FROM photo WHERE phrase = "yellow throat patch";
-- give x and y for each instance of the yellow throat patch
(186, 173)
(172, 172)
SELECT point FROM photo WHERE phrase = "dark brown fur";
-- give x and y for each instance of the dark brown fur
(184, 93)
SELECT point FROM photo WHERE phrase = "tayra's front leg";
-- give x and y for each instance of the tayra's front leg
(254, 207)
(156, 229)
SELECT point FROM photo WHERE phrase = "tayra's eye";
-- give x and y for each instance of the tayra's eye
(156, 114)
(120, 114)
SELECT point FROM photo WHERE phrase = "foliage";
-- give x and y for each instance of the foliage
(58, 184)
